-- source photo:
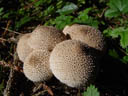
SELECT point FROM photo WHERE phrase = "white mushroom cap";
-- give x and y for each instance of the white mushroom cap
(73, 63)
(36, 66)
(23, 49)
(45, 37)
(86, 34)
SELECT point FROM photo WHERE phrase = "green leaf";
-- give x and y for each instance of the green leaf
(116, 4)
(48, 11)
(127, 50)
(113, 33)
(83, 15)
(67, 9)
(113, 53)
(124, 39)
(22, 21)
(112, 13)
(116, 32)
(2, 86)
(50, 22)
(125, 7)
(41, 2)
(81, 2)
(91, 91)
(62, 21)
(21, 11)
(9, 14)
(117, 7)
(6, 15)
(1, 11)
(125, 59)
(59, 4)
(83, 18)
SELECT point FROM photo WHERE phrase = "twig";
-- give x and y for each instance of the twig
(45, 87)
(79, 93)
(37, 88)
(123, 51)
(11, 31)
(7, 26)
(100, 15)
(40, 93)
(2, 40)
(11, 39)
(16, 68)
(48, 89)
(10, 89)
(7, 90)
(29, 5)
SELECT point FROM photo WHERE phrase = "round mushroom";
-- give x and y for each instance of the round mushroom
(36, 66)
(73, 63)
(86, 34)
(23, 49)
(46, 37)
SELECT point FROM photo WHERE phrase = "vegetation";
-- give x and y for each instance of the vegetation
(91, 91)
(109, 16)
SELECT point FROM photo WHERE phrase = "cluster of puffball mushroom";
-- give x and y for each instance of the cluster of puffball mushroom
(71, 55)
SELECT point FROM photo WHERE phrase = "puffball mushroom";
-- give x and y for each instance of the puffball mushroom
(36, 66)
(23, 49)
(46, 37)
(73, 63)
(86, 34)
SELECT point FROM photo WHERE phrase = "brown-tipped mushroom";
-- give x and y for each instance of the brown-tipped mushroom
(36, 66)
(23, 49)
(86, 34)
(73, 63)
(46, 37)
